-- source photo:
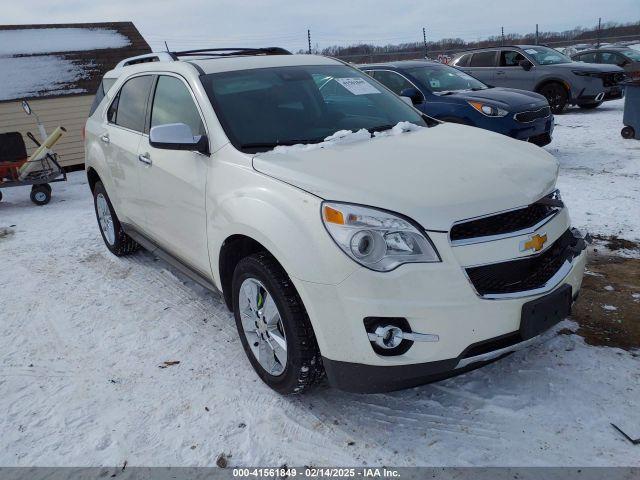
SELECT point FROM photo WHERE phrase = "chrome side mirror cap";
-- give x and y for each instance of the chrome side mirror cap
(177, 136)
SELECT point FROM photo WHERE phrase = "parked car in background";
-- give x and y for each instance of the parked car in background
(348, 232)
(546, 71)
(624, 57)
(451, 95)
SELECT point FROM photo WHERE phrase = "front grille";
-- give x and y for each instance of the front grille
(507, 222)
(612, 79)
(523, 274)
(531, 115)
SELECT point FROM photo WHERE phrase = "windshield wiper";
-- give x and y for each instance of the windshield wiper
(381, 128)
(447, 92)
(288, 143)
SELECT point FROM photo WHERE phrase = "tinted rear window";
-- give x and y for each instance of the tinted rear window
(483, 59)
(463, 61)
(130, 106)
(103, 88)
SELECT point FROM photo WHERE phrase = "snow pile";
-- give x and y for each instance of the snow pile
(24, 77)
(599, 170)
(27, 71)
(343, 137)
(31, 41)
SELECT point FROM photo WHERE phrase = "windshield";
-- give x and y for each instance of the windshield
(445, 79)
(263, 108)
(546, 55)
(632, 54)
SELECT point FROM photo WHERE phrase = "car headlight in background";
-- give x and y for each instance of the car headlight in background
(376, 239)
(488, 110)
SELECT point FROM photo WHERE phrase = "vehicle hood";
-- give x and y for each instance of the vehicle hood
(435, 175)
(589, 67)
(508, 98)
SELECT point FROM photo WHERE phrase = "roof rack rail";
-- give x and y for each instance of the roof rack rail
(227, 52)
(147, 57)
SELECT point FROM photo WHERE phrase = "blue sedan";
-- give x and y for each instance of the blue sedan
(451, 95)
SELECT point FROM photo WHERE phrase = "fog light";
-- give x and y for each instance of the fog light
(387, 336)
(393, 336)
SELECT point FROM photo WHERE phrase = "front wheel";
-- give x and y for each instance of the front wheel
(590, 106)
(115, 238)
(556, 95)
(274, 326)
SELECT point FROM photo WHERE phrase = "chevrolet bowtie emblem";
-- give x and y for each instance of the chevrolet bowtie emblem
(535, 243)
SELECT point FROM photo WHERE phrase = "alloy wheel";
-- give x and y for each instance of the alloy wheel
(105, 219)
(262, 325)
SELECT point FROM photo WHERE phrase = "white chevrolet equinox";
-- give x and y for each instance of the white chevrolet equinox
(350, 235)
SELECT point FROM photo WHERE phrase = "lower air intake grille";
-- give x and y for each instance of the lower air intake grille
(531, 115)
(523, 274)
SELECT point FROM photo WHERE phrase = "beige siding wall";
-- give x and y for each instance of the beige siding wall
(70, 112)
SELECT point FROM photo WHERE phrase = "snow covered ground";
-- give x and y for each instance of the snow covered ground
(83, 334)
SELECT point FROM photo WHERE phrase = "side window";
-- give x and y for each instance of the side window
(103, 88)
(172, 103)
(463, 61)
(392, 80)
(587, 57)
(510, 58)
(483, 59)
(610, 58)
(129, 107)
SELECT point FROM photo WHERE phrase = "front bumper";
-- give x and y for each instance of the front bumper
(436, 299)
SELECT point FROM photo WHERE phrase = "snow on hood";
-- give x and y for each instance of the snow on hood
(344, 137)
(434, 175)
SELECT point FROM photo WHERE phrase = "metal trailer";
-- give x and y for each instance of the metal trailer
(39, 170)
(631, 118)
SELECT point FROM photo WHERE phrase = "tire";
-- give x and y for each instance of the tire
(556, 95)
(40, 194)
(628, 133)
(47, 186)
(116, 240)
(259, 285)
(589, 106)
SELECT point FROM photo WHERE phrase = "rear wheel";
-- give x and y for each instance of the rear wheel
(274, 326)
(41, 194)
(590, 106)
(116, 240)
(556, 95)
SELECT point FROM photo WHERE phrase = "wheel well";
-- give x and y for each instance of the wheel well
(93, 178)
(234, 249)
(562, 83)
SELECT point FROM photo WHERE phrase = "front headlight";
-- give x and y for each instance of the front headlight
(488, 110)
(377, 239)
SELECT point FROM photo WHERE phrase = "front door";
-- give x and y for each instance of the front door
(173, 182)
(510, 74)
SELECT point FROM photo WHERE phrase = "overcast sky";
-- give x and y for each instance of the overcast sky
(209, 23)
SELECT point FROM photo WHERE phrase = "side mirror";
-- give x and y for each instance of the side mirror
(177, 136)
(525, 64)
(26, 107)
(412, 94)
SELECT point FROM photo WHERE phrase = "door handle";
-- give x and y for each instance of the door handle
(500, 72)
(105, 138)
(145, 158)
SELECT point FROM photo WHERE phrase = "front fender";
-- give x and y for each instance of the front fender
(282, 218)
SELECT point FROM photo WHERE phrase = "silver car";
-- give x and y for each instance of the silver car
(546, 71)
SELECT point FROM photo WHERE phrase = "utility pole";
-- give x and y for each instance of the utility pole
(424, 37)
(537, 34)
(599, 27)
(309, 40)
(502, 35)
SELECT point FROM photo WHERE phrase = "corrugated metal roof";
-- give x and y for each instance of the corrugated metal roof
(52, 60)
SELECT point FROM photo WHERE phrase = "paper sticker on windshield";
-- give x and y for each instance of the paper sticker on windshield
(531, 51)
(357, 86)
(434, 82)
